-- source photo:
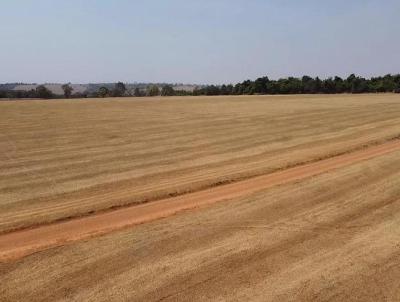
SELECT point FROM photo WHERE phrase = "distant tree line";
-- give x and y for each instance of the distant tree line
(307, 85)
(120, 90)
(41, 92)
(263, 85)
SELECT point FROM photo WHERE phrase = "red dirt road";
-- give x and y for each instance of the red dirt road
(22, 243)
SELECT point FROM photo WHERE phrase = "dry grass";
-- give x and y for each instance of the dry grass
(67, 158)
(334, 237)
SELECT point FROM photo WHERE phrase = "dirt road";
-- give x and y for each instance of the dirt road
(19, 244)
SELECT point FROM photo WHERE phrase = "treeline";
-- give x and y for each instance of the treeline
(291, 85)
(119, 90)
(307, 85)
(41, 92)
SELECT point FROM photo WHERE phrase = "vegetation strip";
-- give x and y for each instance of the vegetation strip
(263, 85)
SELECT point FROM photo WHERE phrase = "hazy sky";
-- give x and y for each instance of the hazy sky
(195, 41)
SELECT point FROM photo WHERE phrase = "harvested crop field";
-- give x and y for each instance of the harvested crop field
(62, 159)
(286, 198)
(16, 245)
(333, 237)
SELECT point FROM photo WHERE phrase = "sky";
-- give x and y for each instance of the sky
(195, 41)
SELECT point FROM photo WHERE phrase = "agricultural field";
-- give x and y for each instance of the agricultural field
(332, 237)
(66, 158)
(261, 198)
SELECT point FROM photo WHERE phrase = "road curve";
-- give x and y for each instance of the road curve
(18, 244)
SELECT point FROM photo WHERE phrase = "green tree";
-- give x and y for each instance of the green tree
(261, 85)
(103, 92)
(137, 92)
(389, 83)
(119, 89)
(43, 93)
(67, 90)
(339, 85)
(167, 90)
(153, 90)
(224, 90)
(238, 89)
(229, 89)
